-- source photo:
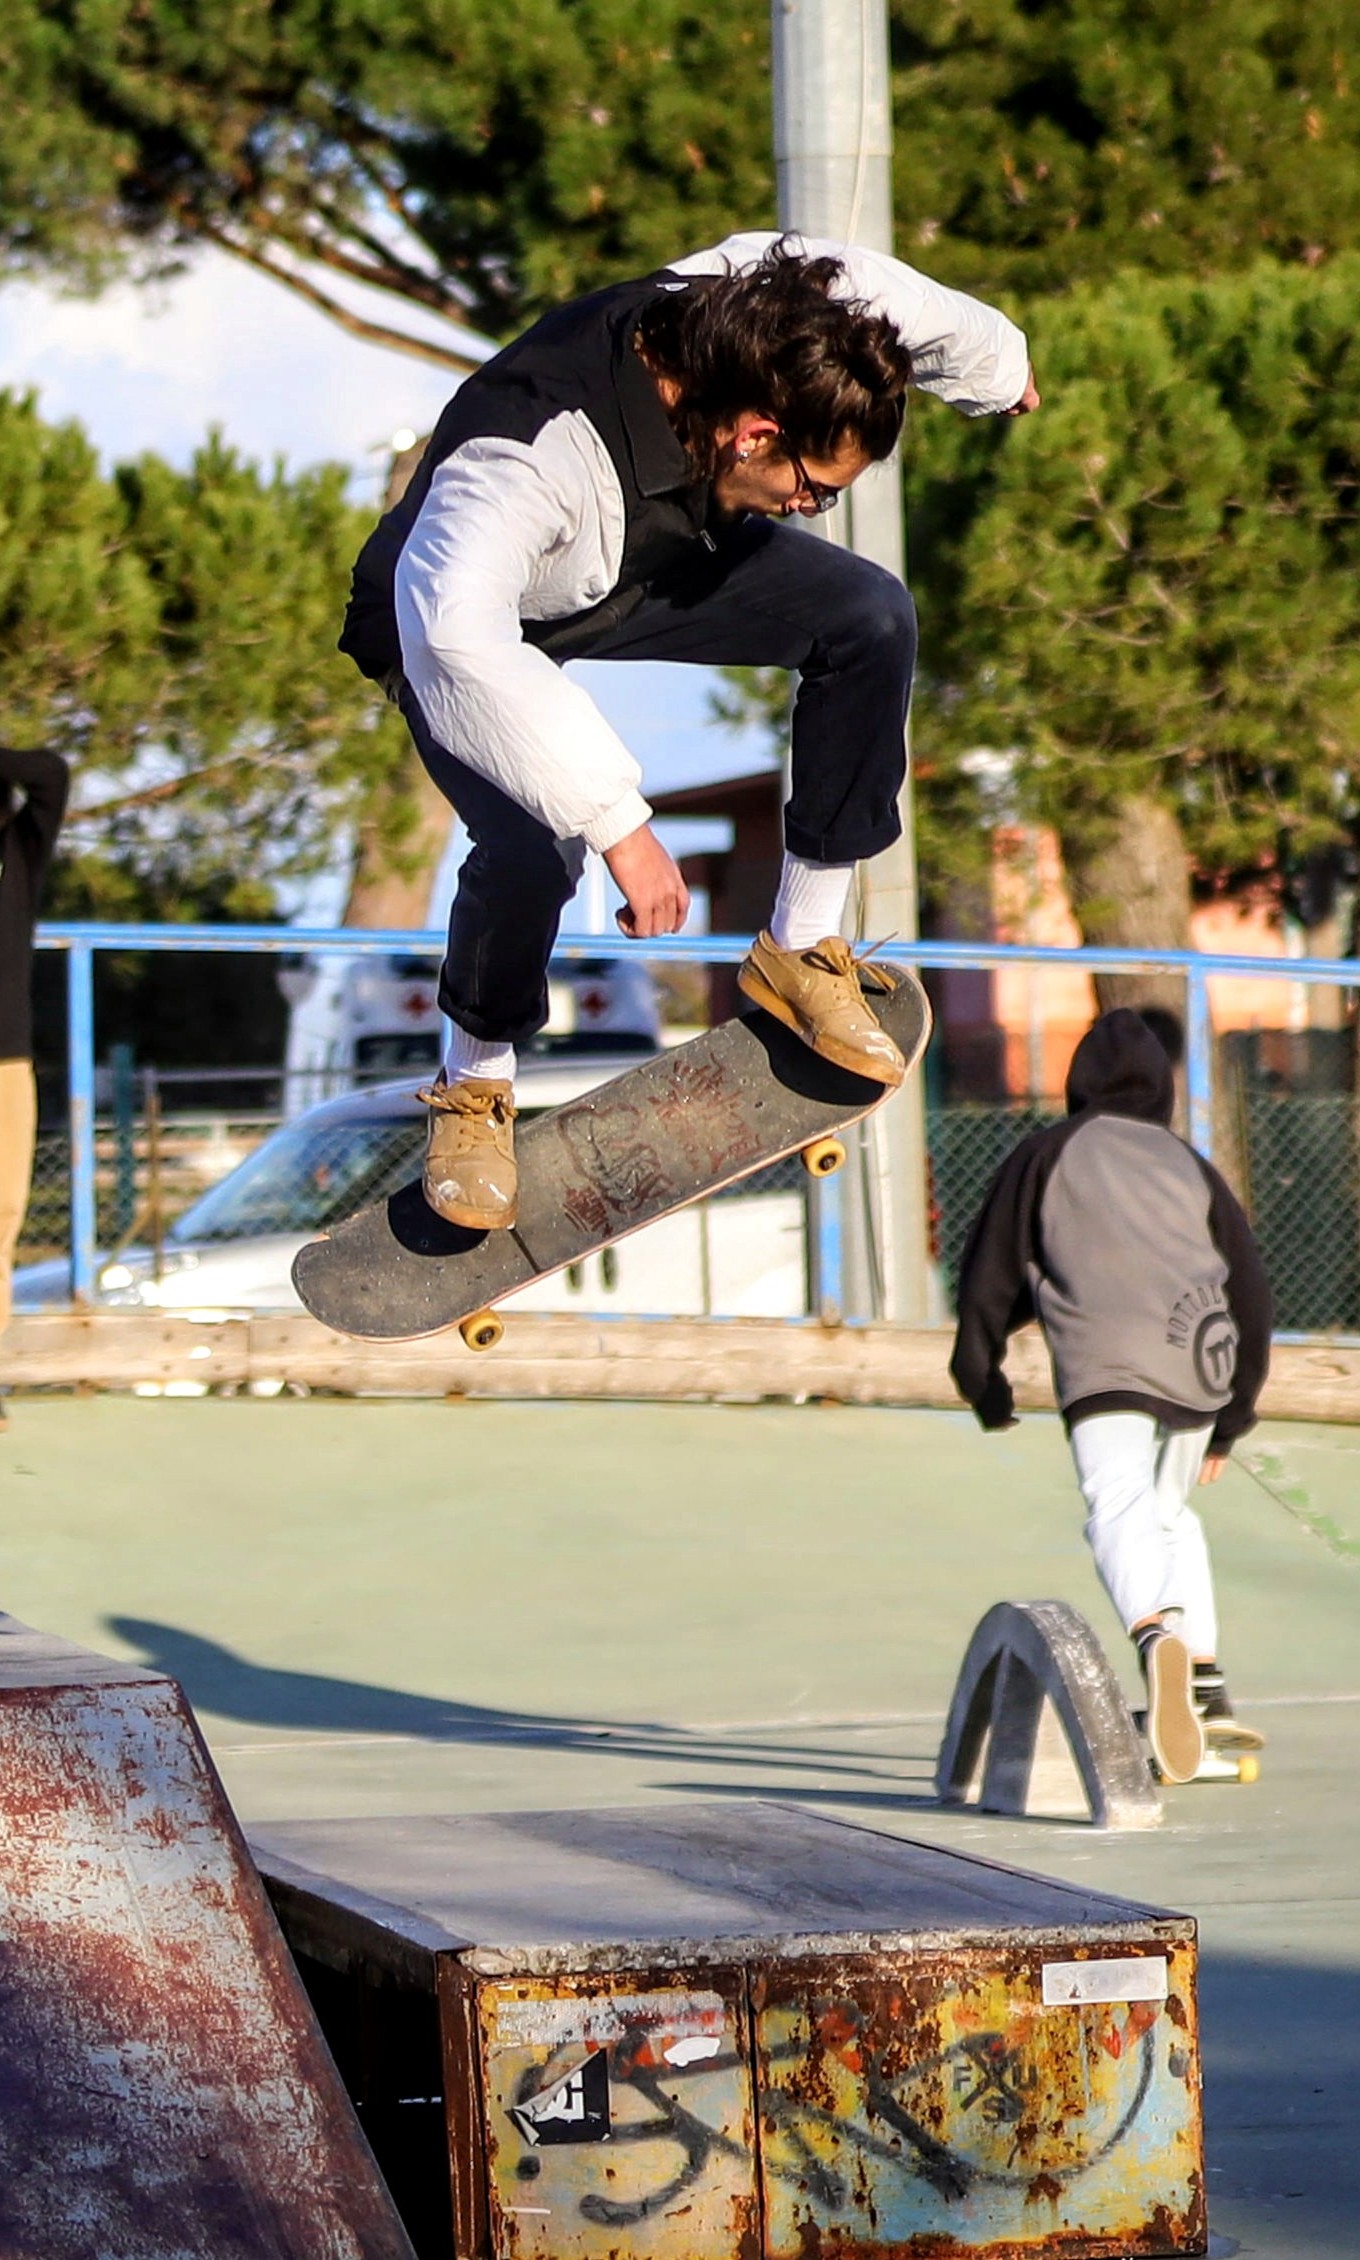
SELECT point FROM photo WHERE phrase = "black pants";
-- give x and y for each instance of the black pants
(768, 596)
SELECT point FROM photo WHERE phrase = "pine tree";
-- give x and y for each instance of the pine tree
(1151, 590)
(489, 163)
(173, 633)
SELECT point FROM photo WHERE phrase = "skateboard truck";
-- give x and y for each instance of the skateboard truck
(1220, 1764)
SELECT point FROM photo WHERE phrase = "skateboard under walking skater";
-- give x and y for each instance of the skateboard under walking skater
(680, 1127)
(1232, 1751)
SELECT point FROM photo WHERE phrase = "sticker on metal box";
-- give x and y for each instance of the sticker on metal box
(1125, 1977)
(600, 2019)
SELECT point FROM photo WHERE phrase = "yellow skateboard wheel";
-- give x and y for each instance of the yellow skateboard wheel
(823, 1157)
(483, 1330)
(1249, 1766)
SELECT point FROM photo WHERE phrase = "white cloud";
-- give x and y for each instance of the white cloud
(153, 367)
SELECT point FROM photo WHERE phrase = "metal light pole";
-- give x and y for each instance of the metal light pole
(833, 167)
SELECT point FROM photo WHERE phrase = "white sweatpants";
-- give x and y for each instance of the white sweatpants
(1149, 1546)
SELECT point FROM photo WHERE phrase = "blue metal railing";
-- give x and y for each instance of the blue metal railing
(81, 939)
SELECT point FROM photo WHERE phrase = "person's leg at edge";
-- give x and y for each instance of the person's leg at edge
(493, 986)
(772, 595)
(1117, 1462)
(18, 1126)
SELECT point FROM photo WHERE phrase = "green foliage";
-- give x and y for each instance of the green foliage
(468, 158)
(1046, 142)
(173, 634)
(83, 883)
(496, 161)
(1153, 586)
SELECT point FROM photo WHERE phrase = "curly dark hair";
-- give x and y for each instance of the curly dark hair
(774, 339)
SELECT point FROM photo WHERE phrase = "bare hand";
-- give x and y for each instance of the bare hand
(655, 895)
(1213, 1468)
(1029, 398)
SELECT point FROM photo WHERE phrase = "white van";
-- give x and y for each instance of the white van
(358, 1020)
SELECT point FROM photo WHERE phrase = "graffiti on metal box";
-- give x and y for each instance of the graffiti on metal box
(671, 2068)
(962, 2115)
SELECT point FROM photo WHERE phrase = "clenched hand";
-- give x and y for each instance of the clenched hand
(655, 896)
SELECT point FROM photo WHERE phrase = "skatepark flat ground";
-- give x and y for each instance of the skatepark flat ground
(419, 1607)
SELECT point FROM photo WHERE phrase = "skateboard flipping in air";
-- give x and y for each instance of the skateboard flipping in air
(672, 1131)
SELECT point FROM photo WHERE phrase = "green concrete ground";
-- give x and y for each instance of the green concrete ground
(423, 1607)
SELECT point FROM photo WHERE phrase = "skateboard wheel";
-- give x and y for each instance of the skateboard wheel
(483, 1330)
(1249, 1767)
(823, 1156)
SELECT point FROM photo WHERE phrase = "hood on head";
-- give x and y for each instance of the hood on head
(1120, 1067)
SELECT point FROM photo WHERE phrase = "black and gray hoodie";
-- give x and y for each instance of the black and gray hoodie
(1130, 1251)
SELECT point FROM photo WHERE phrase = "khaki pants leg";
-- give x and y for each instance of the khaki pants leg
(18, 1124)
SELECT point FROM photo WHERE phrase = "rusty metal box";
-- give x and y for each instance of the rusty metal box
(693, 2033)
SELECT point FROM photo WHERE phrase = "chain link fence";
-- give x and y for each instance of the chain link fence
(152, 1161)
(1301, 1184)
(1294, 1158)
(967, 1145)
(157, 1170)
(1286, 1132)
(46, 1230)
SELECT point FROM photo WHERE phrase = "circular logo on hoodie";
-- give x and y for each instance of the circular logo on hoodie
(1215, 1352)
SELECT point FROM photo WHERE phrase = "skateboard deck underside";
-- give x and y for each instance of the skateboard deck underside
(686, 1124)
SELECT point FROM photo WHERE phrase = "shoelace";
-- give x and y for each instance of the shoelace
(854, 959)
(460, 1098)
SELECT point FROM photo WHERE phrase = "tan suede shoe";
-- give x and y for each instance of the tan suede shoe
(817, 993)
(1175, 1730)
(469, 1176)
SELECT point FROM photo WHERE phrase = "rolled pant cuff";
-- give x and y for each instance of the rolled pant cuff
(490, 1030)
(840, 847)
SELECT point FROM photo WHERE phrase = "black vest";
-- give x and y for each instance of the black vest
(580, 357)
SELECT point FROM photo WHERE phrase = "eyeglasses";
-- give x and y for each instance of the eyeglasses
(820, 498)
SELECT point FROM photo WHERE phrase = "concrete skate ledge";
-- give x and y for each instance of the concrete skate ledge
(667, 1360)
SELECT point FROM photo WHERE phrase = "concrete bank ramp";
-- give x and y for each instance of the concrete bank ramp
(165, 2093)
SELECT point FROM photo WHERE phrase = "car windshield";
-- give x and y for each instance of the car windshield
(306, 1176)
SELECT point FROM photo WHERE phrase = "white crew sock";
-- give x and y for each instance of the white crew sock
(810, 903)
(469, 1060)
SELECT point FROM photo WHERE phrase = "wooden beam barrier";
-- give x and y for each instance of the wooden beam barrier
(668, 1360)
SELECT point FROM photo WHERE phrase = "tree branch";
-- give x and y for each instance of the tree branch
(391, 275)
(374, 333)
(387, 271)
(169, 789)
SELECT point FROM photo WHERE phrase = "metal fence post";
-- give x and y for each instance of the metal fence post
(1199, 1061)
(80, 1068)
(826, 1248)
(124, 1142)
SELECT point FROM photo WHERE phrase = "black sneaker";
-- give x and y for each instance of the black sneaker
(1212, 1700)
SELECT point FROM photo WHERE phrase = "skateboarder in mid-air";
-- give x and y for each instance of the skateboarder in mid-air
(613, 486)
(1141, 1269)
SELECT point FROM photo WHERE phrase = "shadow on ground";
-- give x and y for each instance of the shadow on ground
(218, 1681)
(1282, 2069)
